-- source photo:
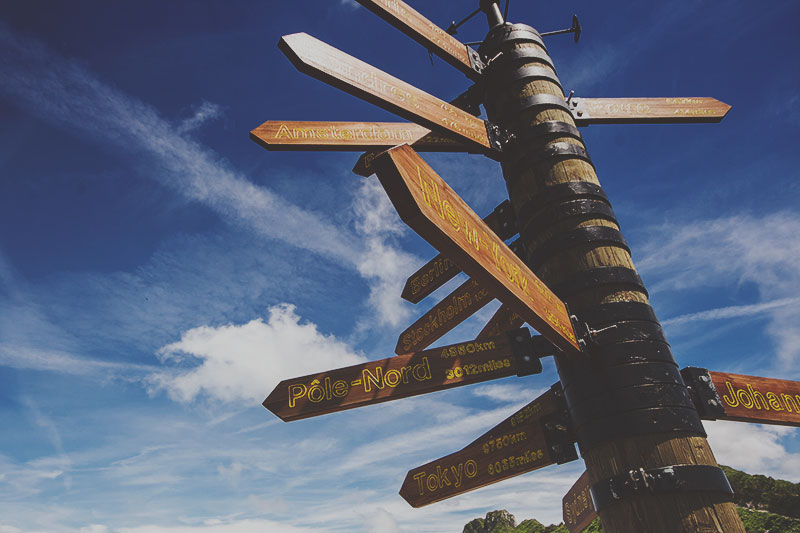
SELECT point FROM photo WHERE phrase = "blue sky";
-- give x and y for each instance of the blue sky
(160, 272)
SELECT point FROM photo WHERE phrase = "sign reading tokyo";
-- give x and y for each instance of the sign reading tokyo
(398, 377)
(647, 110)
(755, 399)
(513, 447)
(324, 62)
(431, 208)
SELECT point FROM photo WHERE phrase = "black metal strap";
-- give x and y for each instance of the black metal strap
(594, 381)
(557, 430)
(640, 422)
(627, 331)
(554, 151)
(536, 101)
(544, 130)
(596, 209)
(529, 73)
(586, 235)
(571, 190)
(527, 351)
(630, 399)
(637, 351)
(506, 220)
(704, 394)
(676, 478)
(613, 312)
(521, 56)
(596, 277)
(509, 33)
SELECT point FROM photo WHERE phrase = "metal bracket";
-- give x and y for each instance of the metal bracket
(676, 478)
(470, 100)
(475, 61)
(703, 392)
(527, 350)
(506, 220)
(499, 137)
(557, 430)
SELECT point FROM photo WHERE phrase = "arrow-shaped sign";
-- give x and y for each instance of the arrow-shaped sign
(647, 110)
(577, 507)
(504, 319)
(435, 39)
(532, 438)
(324, 62)
(406, 375)
(431, 208)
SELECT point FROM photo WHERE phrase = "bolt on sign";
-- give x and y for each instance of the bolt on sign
(401, 376)
(435, 39)
(432, 209)
(324, 62)
(350, 136)
(577, 506)
(647, 110)
(454, 309)
(515, 446)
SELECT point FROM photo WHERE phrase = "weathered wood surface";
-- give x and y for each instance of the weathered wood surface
(466, 300)
(326, 63)
(392, 378)
(757, 399)
(504, 319)
(668, 110)
(577, 507)
(435, 39)
(513, 447)
(431, 208)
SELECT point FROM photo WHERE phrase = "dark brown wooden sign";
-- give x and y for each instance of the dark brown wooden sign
(513, 447)
(324, 62)
(431, 208)
(755, 399)
(350, 136)
(435, 39)
(577, 505)
(647, 110)
(393, 378)
(504, 319)
(454, 309)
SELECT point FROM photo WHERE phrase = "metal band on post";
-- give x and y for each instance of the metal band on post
(586, 236)
(575, 208)
(590, 279)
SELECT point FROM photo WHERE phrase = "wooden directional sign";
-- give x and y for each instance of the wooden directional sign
(504, 319)
(431, 208)
(350, 136)
(397, 377)
(577, 505)
(647, 110)
(454, 309)
(435, 39)
(755, 399)
(360, 79)
(515, 446)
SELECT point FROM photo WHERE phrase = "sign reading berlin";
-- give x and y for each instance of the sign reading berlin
(324, 62)
(431, 208)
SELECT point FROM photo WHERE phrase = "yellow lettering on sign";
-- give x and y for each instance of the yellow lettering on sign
(750, 398)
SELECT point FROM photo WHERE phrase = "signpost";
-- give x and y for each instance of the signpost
(647, 110)
(578, 509)
(350, 136)
(324, 62)
(404, 375)
(431, 208)
(517, 445)
(504, 319)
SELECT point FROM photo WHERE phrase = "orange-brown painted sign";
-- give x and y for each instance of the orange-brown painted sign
(431, 208)
(513, 447)
(577, 505)
(328, 64)
(393, 378)
(647, 110)
(755, 399)
(350, 136)
(454, 309)
(406, 19)
(504, 319)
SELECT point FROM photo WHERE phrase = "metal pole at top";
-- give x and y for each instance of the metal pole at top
(492, 10)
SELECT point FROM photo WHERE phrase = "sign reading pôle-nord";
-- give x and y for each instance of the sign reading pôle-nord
(577, 505)
(515, 446)
(455, 308)
(756, 399)
(350, 136)
(393, 378)
(406, 19)
(647, 110)
(431, 208)
(324, 62)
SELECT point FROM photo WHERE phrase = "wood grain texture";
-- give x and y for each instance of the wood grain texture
(667, 110)
(504, 319)
(432, 37)
(392, 378)
(326, 63)
(757, 399)
(431, 208)
(577, 507)
(350, 136)
(466, 300)
(513, 447)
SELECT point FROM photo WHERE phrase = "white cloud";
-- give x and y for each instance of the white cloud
(754, 448)
(733, 311)
(381, 521)
(505, 393)
(245, 362)
(205, 112)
